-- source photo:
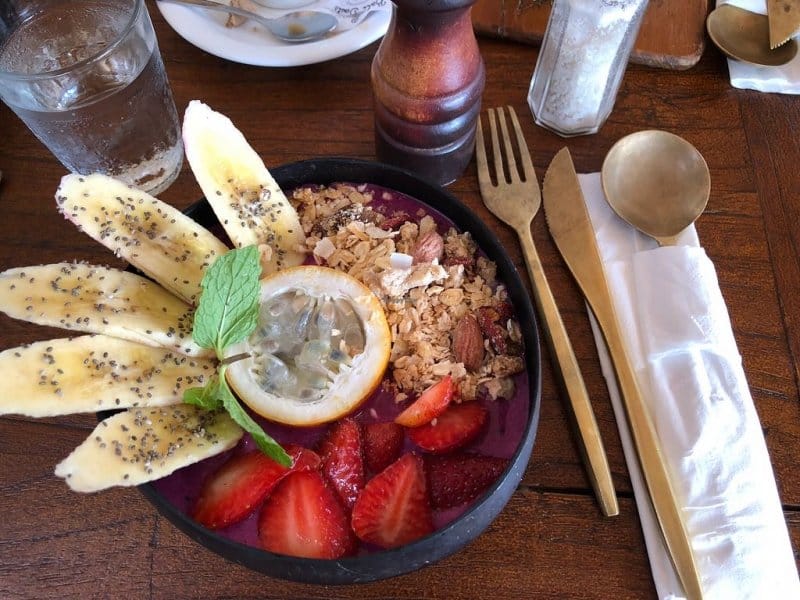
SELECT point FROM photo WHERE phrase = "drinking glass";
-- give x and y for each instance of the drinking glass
(87, 79)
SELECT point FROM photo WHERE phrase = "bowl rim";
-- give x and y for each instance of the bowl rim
(383, 564)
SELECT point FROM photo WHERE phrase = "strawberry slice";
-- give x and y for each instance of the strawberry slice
(393, 508)
(430, 404)
(342, 457)
(383, 443)
(236, 489)
(303, 517)
(454, 428)
(457, 478)
(303, 459)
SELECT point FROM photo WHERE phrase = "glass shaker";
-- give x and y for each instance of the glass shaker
(581, 62)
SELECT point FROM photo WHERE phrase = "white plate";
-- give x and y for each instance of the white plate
(251, 44)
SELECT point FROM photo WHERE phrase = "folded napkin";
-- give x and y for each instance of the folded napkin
(784, 79)
(349, 13)
(678, 332)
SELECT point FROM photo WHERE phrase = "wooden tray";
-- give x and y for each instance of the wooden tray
(672, 35)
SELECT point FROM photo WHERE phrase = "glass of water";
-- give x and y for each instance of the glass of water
(87, 78)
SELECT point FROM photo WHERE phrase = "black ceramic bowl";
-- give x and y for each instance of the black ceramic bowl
(465, 528)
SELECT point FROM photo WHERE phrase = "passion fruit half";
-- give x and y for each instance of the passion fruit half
(321, 347)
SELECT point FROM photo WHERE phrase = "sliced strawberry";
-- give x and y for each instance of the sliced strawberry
(393, 509)
(457, 478)
(383, 443)
(303, 459)
(342, 457)
(236, 489)
(303, 517)
(454, 428)
(430, 404)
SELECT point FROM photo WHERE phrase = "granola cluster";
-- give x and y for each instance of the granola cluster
(429, 283)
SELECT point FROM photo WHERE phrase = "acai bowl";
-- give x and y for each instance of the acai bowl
(509, 435)
(508, 407)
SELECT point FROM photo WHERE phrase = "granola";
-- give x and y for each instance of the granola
(424, 299)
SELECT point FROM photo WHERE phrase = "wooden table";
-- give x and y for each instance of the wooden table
(551, 540)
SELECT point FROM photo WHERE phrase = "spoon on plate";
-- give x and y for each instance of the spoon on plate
(656, 181)
(293, 27)
(744, 35)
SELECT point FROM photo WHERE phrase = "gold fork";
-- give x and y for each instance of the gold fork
(515, 200)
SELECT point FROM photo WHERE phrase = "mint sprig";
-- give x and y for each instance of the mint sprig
(226, 314)
(228, 309)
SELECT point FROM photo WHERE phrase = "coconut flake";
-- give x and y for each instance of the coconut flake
(378, 233)
(399, 260)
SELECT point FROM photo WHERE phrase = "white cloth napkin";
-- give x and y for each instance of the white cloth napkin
(784, 79)
(687, 364)
(349, 13)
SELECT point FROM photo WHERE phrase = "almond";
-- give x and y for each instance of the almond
(468, 342)
(429, 247)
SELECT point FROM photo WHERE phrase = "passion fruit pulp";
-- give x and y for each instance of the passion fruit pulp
(321, 347)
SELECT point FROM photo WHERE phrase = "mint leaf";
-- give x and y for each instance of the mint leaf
(267, 445)
(228, 309)
(226, 314)
(206, 397)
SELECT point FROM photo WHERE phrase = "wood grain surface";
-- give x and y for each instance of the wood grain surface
(551, 540)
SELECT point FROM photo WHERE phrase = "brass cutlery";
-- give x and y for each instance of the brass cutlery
(515, 199)
(657, 182)
(784, 21)
(745, 36)
(571, 228)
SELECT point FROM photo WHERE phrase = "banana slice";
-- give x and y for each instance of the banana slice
(92, 373)
(246, 199)
(92, 299)
(150, 234)
(144, 444)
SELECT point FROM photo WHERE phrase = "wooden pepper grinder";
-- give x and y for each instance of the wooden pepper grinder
(427, 81)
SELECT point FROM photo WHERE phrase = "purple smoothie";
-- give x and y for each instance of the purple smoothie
(500, 438)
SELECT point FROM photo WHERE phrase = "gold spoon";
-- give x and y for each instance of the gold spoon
(744, 35)
(656, 181)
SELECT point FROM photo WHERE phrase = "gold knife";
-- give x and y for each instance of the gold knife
(568, 220)
(784, 21)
